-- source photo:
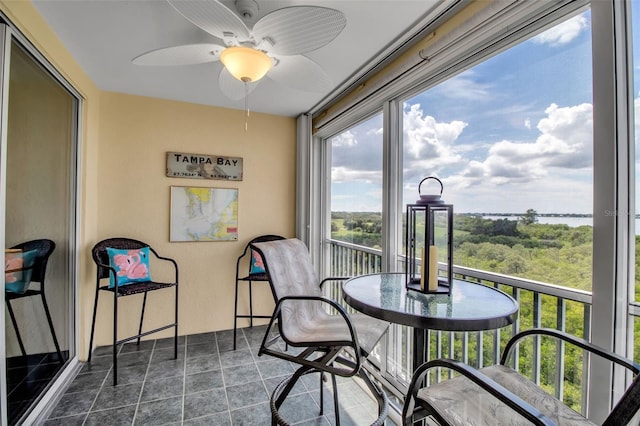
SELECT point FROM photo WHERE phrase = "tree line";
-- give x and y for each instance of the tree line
(552, 253)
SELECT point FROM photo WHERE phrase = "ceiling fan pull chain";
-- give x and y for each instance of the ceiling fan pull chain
(246, 106)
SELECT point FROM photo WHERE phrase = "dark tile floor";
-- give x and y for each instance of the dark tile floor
(209, 384)
(27, 377)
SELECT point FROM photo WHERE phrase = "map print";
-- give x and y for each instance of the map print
(204, 214)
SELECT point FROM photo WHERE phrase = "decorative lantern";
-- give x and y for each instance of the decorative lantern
(429, 243)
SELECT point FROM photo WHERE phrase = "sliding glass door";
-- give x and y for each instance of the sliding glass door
(39, 134)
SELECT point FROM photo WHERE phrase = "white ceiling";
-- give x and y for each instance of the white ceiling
(104, 35)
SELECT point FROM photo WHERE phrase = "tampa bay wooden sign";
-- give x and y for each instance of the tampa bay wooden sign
(202, 166)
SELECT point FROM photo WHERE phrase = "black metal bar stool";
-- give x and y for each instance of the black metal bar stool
(122, 285)
(256, 273)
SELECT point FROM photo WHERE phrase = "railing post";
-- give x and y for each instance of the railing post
(586, 361)
(560, 348)
(537, 322)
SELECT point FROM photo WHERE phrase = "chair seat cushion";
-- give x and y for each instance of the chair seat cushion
(370, 330)
(333, 328)
(462, 402)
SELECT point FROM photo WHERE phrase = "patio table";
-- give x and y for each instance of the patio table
(469, 307)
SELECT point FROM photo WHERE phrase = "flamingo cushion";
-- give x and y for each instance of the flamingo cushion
(257, 265)
(20, 264)
(131, 265)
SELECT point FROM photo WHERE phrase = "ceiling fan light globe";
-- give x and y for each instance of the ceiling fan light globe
(246, 64)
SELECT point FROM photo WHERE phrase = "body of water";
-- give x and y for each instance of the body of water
(552, 220)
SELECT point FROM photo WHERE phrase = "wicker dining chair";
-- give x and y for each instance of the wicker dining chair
(44, 249)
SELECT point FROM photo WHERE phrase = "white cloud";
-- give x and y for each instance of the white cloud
(565, 142)
(563, 33)
(429, 142)
(549, 196)
(345, 174)
(527, 123)
(344, 139)
(465, 86)
(515, 173)
(496, 173)
(359, 148)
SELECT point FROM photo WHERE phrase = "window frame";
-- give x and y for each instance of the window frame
(613, 168)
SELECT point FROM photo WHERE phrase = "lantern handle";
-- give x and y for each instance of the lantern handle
(431, 177)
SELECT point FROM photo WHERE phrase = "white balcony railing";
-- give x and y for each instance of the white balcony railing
(541, 305)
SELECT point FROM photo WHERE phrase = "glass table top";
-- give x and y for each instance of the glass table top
(469, 307)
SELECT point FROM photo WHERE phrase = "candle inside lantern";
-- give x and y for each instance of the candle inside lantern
(423, 262)
(433, 268)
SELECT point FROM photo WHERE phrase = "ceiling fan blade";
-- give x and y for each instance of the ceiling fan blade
(299, 29)
(301, 73)
(233, 88)
(212, 16)
(188, 54)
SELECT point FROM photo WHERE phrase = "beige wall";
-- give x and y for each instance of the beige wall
(125, 191)
(135, 135)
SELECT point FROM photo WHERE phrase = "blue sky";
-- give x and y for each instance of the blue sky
(509, 134)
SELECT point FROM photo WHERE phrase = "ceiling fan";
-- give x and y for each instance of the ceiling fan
(274, 46)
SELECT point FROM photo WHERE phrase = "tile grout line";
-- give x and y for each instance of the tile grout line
(144, 381)
(101, 386)
(184, 378)
(219, 338)
(224, 384)
(262, 379)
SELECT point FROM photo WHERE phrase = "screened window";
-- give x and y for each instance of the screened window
(356, 184)
(511, 139)
(509, 119)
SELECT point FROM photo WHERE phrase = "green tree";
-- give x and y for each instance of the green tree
(530, 217)
(514, 264)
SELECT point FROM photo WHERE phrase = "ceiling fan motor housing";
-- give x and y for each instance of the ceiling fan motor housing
(247, 9)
